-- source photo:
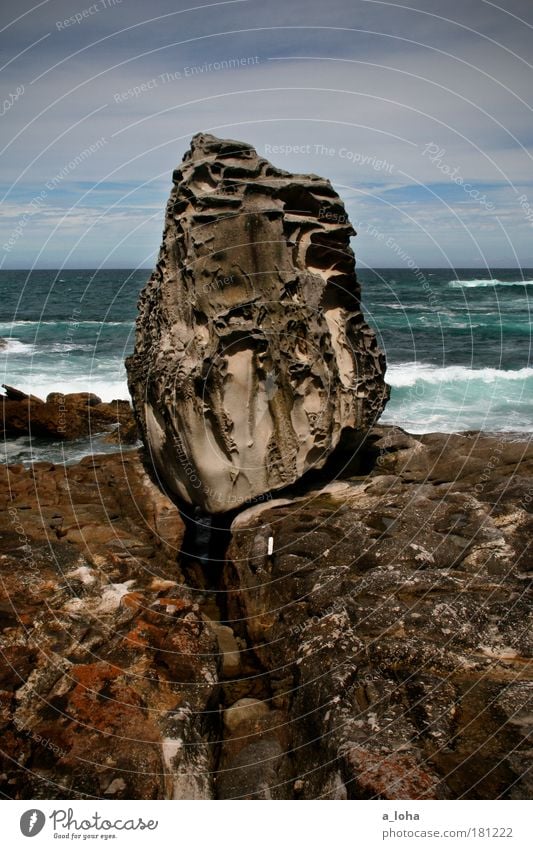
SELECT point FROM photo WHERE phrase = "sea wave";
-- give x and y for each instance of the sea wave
(409, 374)
(455, 398)
(15, 346)
(397, 306)
(23, 322)
(480, 284)
(493, 324)
(27, 450)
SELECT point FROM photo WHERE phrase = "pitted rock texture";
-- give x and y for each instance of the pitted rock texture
(252, 354)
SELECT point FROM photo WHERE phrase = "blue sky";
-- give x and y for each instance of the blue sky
(420, 113)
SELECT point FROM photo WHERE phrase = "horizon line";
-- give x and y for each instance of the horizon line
(367, 268)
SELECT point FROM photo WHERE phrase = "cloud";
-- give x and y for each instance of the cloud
(364, 87)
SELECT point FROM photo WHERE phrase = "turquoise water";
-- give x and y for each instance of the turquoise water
(458, 341)
(458, 345)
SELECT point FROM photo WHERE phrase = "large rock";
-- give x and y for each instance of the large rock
(251, 352)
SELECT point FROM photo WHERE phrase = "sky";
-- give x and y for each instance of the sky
(420, 113)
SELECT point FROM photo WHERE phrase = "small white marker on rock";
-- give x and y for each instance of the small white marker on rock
(270, 545)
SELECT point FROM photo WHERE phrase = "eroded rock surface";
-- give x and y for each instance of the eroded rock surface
(251, 351)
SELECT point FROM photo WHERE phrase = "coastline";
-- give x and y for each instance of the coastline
(458, 359)
(63, 427)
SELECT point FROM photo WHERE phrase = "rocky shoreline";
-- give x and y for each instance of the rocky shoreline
(383, 649)
(66, 416)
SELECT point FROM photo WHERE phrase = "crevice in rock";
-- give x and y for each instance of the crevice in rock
(246, 683)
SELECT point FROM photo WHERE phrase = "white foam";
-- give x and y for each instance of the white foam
(7, 325)
(408, 374)
(107, 390)
(484, 283)
(15, 346)
(62, 347)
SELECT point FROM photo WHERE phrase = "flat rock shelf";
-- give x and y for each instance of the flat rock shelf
(382, 650)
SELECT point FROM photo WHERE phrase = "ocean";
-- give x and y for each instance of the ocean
(457, 341)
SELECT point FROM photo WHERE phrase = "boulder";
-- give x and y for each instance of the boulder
(252, 355)
(88, 399)
(244, 711)
(64, 417)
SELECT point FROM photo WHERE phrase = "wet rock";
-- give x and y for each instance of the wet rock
(125, 433)
(86, 399)
(13, 394)
(252, 354)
